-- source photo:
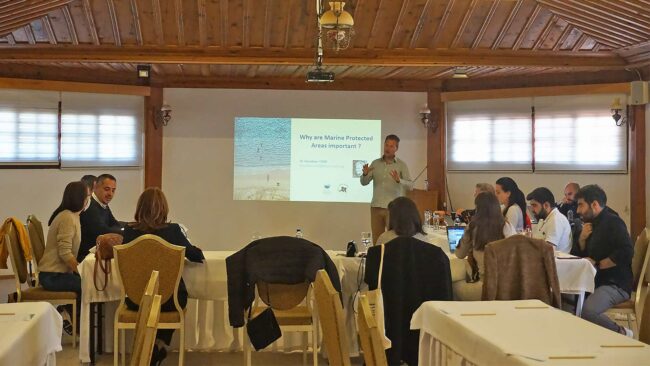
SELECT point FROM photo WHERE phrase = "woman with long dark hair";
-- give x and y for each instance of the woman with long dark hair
(58, 266)
(487, 225)
(403, 220)
(513, 200)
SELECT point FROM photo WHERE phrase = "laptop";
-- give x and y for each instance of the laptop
(454, 233)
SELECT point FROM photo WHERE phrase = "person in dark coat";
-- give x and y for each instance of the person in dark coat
(151, 218)
(98, 219)
(414, 272)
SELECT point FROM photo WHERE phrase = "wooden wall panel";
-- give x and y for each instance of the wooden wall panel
(637, 151)
(153, 140)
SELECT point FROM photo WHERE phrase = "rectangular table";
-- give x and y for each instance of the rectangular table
(524, 332)
(31, 333)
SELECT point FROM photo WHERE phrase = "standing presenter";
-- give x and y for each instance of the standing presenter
(390, 179)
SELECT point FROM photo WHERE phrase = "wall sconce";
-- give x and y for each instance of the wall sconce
(164, 116)
(616, 109)
(425, 117)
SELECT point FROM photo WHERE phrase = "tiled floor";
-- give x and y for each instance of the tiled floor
(70, 357)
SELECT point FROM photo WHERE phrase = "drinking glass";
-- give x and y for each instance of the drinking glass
(366, 239)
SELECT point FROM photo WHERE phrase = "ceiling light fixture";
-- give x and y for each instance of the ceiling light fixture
(460, 73)
(336, 25)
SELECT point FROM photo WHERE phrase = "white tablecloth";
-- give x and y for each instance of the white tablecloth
(525, 332)
(31, 333)
(206, 320)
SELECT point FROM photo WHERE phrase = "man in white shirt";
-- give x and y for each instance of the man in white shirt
(553, 226)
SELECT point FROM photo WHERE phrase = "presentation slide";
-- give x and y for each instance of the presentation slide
(304, 159)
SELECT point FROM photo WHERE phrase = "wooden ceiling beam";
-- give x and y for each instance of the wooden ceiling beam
(526, 28)
(419, 25)
(486, 22)
(281, 56)
(136, 22)
(606, 13)
(547, 29)
(47, 24)
(463, 24)
(583, 11)
(72, 30)
(398, 23)
(180, 22)
(88, 11)
(560, 41)
(117, 39)
(506, 25)
(441, 25)
(373, 28)
(605, 34)
(158, 23)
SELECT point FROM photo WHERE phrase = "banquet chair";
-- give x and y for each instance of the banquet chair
(331, 319)
(639, 268)
(144, 338)
(643, 311)
(292, 316)
(37, 241)
(531, 261)
(36, 293)
(369, 335)
(134, 262)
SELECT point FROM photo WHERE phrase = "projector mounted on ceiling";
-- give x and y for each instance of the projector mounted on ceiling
(320, 76)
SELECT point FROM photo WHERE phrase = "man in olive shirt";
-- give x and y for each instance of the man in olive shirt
(391, 179)
(605, 242)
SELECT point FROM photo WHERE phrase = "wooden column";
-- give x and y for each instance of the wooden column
(436, 147)
(637, 152)
(153, 139)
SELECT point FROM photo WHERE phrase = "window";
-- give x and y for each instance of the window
(489, 135)
(578, 133)
(96, 129)
(574, 133)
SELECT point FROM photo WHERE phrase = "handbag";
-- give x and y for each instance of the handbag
(376, 301)
(264, 328)
(103, 255)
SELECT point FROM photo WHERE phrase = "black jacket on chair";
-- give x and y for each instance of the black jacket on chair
(280, 259)
(414, 272)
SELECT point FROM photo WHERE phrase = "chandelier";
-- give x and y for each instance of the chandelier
(336, 26)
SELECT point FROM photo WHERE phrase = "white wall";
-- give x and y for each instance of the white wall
(617, 186)
(198, 162)
(39, 191)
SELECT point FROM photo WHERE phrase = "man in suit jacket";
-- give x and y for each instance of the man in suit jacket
(98, 219)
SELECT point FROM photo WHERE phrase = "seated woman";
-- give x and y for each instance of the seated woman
(403, 220)
(151, 218)
(58, 266)
(466, 215)
(514, 202)
(487, 225)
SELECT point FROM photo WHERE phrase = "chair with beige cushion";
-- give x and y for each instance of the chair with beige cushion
(36, 293)
(643, 311)
(143, 341)
(134, 263)
(639, 268)
(331, 319)
(369, 335)
(292, 315)
(36, 240)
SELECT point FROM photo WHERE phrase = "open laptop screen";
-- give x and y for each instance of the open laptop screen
(454, 233)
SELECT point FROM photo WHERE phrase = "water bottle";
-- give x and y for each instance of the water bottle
(426, 184)
(436, 221)
(427, 218)
(298, 233)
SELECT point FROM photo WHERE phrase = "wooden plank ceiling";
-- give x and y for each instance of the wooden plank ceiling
(188, 41)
